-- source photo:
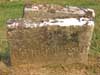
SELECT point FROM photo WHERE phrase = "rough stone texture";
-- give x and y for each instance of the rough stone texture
(13, 0)
(50, 44)
(4, 70)
(40, 12)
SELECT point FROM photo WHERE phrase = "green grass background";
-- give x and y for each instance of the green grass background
(15, 10)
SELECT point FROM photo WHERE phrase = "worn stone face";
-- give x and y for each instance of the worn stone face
(54, 35)
(49, 45)
(38, 12)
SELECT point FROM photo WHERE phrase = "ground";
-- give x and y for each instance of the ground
(15, 10)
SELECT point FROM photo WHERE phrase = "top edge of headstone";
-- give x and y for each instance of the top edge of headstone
(54, 8)
(73, 16)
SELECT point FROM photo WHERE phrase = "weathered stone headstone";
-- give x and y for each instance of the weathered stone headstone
(51, 34)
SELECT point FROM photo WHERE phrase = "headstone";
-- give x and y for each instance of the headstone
(51, 34)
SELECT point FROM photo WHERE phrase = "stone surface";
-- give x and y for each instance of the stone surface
(76, 69)
(38, 12)
(4, 70)
(13, 0)
(51, 34)
(49, 44)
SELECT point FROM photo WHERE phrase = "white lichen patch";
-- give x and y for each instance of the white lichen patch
(68, 22)
(52, 22)
(33, 8)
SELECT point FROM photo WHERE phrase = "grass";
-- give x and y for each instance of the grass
(7, 10)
